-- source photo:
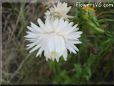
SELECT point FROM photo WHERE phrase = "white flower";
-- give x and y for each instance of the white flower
(58, 11)
(53, 38)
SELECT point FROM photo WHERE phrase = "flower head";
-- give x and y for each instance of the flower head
(88, 8)
(58, 11)
(54, 38)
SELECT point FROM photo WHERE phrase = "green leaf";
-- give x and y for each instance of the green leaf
(105, 20)
(87, 73)
(62, 77)
(95, 28)
(94, 20)
(78, 70)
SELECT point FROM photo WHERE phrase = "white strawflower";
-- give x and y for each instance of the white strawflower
(53, 38)
(58, 11)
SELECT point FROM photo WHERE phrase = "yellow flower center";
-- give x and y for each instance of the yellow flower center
(88, 8)
(53, 54)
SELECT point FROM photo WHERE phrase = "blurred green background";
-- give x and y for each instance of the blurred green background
(92, 64)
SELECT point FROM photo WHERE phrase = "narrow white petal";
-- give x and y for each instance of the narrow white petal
(65, 55)
(31, 36)
(78, 42)
(57, 59)
(71, 23)
(33, 44)
(39, 52)
(41, 24)
(35, 48)
(30, 40)
(75, 48)
(36, 28)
